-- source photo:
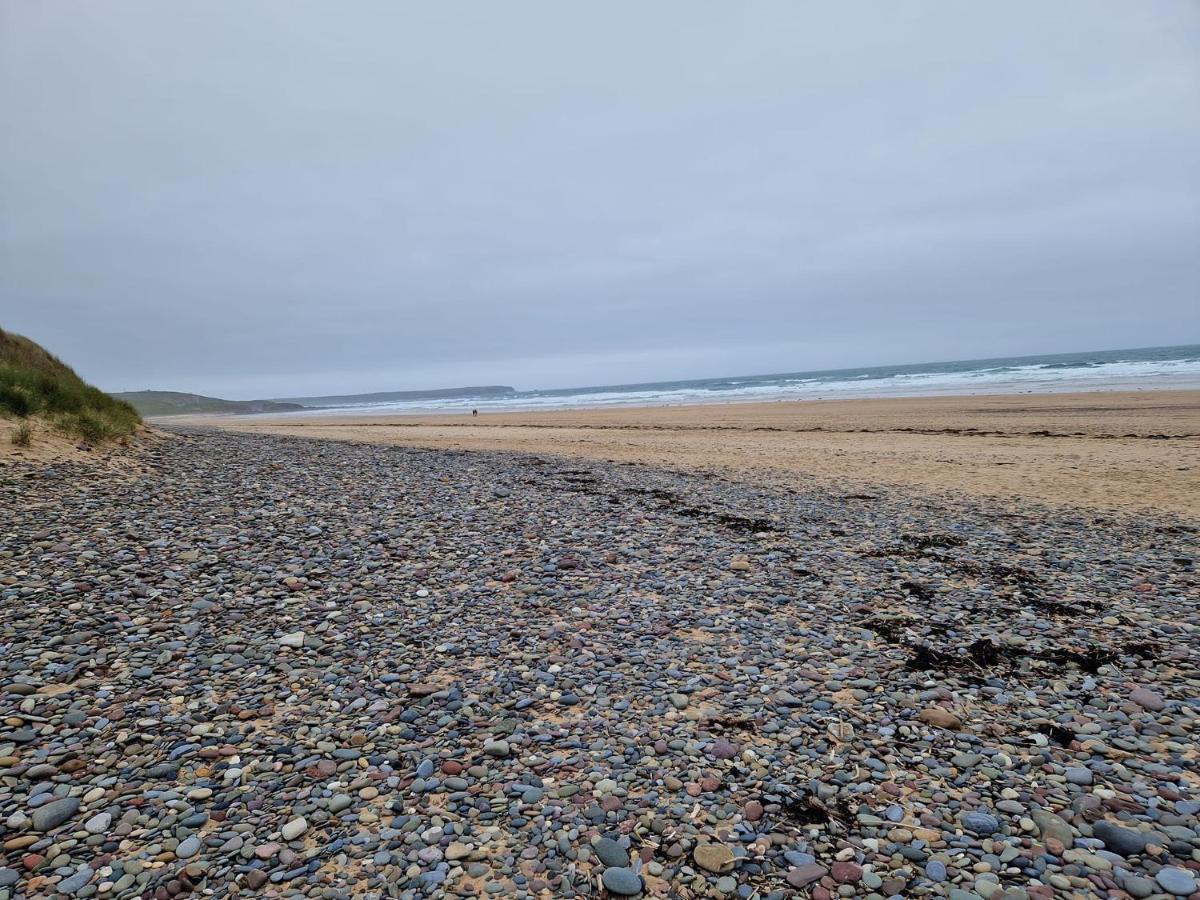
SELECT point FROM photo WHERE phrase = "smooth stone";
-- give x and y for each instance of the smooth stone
(940, 717)
(294, 829)
(98, 824)
(1175, 880)
(1137, 886)
(1050, 825)
(1118, 839)
(846, 872)
(75, 883)
(1079, 775)
(802, 876)
(610, 852)
(713, 857)
(981, 823)
(54, 813)
(622, 881)
(1147, 699)
(722, 750)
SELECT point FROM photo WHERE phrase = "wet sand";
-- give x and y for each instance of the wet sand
(1131, 451)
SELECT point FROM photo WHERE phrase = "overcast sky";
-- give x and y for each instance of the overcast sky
(271, 198)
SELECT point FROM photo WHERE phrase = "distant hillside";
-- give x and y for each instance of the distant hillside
(37, 385)
(174, 403)
(491, 390)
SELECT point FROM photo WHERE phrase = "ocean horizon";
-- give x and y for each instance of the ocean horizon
(1127, 369)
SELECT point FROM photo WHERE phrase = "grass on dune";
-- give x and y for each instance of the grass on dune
(35, 383)
(22, 435)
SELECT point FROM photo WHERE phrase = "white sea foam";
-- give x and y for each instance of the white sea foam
(1043, 374)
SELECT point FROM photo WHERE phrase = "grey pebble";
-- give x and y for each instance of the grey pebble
(55, 813)
(622, 881)
(531, 693)
(1079, 775)
(1176, 880)
(610, 852)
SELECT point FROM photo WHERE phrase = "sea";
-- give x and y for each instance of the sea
(1138, 369)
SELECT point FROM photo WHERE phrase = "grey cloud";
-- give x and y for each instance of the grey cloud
(291, 197)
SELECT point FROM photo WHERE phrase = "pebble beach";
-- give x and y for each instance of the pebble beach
(253, 665)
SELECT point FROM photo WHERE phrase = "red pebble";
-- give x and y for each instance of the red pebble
(846, 872)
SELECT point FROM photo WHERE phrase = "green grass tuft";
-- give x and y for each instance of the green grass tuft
(35, 383)
(22, 435)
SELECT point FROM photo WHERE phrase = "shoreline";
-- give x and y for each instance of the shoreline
(1129, 384)
(1126, 450)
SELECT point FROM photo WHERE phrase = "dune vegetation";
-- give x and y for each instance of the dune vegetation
(36, 385)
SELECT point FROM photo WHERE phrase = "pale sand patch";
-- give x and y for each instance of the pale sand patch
(1129, 450)
(47, 445)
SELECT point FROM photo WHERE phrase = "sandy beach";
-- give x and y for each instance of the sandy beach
(1133, 450)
